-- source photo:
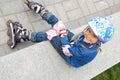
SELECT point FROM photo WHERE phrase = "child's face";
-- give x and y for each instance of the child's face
(90, 37)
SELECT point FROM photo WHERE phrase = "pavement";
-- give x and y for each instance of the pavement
(22, 62)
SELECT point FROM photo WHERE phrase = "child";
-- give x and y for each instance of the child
(76, 51)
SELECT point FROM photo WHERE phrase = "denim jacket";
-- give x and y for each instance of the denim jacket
(82, 52)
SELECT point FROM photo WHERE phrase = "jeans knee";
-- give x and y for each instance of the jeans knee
(51, 19)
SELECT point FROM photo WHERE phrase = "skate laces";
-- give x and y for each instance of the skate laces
(38, 8)
(22, 34)
(35, 6)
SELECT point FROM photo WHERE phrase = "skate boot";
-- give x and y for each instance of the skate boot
(16, 33)
(38, 8)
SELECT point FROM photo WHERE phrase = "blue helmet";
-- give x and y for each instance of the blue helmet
(102, 28)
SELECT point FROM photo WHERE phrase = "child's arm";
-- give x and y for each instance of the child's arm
(74, 50)
(80, 57)
(65, 41)
(65, 46)
(74, 62)
(77, 51)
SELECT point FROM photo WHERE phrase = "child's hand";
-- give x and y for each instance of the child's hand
(51, 33)
(66, 51)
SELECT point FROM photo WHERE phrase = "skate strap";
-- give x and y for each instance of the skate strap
(38, 9)
(20, 30)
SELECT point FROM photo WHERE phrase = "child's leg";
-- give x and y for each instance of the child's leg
(18, 34)
(43, 36)
(44, 13)
(38, 36)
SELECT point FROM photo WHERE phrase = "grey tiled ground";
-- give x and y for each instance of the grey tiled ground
(74, 13)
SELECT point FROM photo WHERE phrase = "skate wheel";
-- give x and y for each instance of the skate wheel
(8, 32)
(8, 23)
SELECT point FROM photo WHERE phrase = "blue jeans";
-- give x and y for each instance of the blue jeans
(42, 36)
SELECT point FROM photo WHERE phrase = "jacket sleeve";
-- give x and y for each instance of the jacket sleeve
(65, 41)
(76, 51)
(81, 58)
(73, 61)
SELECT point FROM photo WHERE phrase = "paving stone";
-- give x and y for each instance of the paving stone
(82, 21)
(39, 1)
(41, 26)
(24, 20)
(115, 8)
(2, 51)
(81, 2)
(58, 1)
(11, 17)
(74, 14)
(95, 14)
(10, 7)
(70, 5)
(50, 2)
(84, 7)
(75, 24)
(33, 16)
(91, 6)
(107, 11)
(96, 0)
(91, 16)
(68, 25)
(101, 5)
(4, 1)
(110, 2)
(61, 12)
(116, 1)
(2, 24)
(53, 10)
(101, 13)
